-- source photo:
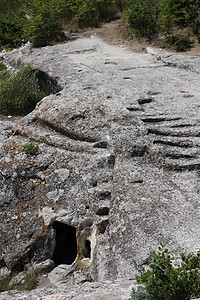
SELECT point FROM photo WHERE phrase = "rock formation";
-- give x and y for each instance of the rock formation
(117, 170)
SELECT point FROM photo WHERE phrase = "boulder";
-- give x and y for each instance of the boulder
(117, 168)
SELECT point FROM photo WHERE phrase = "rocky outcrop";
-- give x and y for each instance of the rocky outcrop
(117, 170)
(113, 290)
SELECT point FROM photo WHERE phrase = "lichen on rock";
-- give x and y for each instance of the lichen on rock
(117, 167)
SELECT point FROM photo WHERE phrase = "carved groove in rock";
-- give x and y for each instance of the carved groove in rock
(143, 101)
(181, 144)
(158, 120)
(67, 133)
(172, 133)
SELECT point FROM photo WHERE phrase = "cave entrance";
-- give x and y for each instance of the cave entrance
(66, 245)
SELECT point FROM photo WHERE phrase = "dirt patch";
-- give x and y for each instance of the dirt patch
(118, 33)
(44, 282)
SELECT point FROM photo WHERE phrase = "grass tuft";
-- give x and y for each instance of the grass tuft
(19, 91)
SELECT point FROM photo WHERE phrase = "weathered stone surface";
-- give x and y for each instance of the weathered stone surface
(17, 279)
(113, 290)
(118, 161)
(44, 266)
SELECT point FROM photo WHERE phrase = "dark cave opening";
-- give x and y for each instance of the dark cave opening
(66, 245)
(88, 249)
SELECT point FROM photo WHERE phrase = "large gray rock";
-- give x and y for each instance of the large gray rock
(113, 290)
(117, 171)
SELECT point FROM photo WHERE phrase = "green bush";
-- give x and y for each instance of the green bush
(142, 15)
(148, 17)
(185, 13)
(11, 29)
(167, 280)
(44, 24)
(178, 42)
(41, 26)
(31, 148)
(91, 12)
(19, 91)
(192, 16)
(140, 294)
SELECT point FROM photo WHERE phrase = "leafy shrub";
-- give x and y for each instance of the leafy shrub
(44, 24)
(142, 16)
(185, 13)
(91, 12)
(178, 42)
(41, 26)
(148, 17)
(140, 294)
(11, 23)
(11, 29)
(167, 280)
(19, 91)
(31, 148)
(9, 5)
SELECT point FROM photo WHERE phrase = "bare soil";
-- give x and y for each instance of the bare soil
(118, 33)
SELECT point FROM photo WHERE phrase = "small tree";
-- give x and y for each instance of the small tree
(91, 12)
(167, 280)
(44, 25)
(143, 16)
(11, 23)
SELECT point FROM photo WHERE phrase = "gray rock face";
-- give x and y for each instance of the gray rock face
(113, 290)
(117, 171)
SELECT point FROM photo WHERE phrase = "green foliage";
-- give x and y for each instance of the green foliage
(184, 13)
(19, 91)
(192, 16)
(41, 21)
(142, 16)
(30, 281)
(178, 42)
(41, 26)
(12, 28)
(9, 5)
(140, 294)
(91, 12)
(2, 66)
(148, 17)
(176, 10)
(44, 24)
(167, 280)
(31, 148)
(4, 283)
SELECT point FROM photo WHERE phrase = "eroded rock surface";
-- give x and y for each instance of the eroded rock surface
(118, 166)
(113, 290)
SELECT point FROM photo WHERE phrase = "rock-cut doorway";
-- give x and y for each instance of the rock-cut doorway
(65, 251)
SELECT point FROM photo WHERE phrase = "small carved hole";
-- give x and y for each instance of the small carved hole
(88, 249)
